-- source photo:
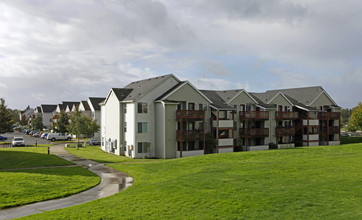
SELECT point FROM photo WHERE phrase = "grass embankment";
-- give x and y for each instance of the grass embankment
(95, 153)
(302, 183)
(23, 186)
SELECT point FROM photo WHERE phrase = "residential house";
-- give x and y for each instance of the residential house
(95, 110)
(46, 111)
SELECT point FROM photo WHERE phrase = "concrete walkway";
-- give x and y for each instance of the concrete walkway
(113, 181)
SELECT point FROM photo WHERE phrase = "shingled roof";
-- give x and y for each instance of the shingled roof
(85, 105)
(95, 102)
(217, 100)
(48, 108)
(142, 87)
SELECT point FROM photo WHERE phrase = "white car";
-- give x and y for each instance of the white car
(59, 137)
(18, 141)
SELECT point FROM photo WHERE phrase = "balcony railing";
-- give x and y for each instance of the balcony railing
(185, 135)
(285, 131)
(254, 132)
(255, 115)
(286, 115)
(194, 114)
(330, 115)
(331, 129)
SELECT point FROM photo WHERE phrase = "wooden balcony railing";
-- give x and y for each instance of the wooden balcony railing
(254, 115)
(280, 131)
(254, 132)
(286, 115)
(188, 135)
(193, 114)
(330, 115)
(331, 129)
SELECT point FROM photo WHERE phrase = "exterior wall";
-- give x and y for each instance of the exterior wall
(256, 148)
(149, 117)
(188, 94)
(131, 129)
(160, 126)
(321, 101)
(190, 153)
(46, 119)
(97, 116)
(284, 146)
(112, 125)
(170, 131)
(243, 98)
(225, 150)
(103, 127)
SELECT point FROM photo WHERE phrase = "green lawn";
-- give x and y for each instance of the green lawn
(22, 157)
(28, 186)
(303, 183)
(95, 153)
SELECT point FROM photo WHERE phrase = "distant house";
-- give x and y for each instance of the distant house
(95, 110)
(46, 111)
(164, 117)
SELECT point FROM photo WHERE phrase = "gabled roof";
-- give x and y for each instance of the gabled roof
(95, 102)
(142, 87)
(305, 95)
(48, 108)
(121, 93)
(217, 101)
(85, 105)
(177, 87)
(69, 104)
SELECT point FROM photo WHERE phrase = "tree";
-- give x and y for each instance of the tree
(81, 124)
(62, 123)
(355, 120)
(38, 123)
(6, 118)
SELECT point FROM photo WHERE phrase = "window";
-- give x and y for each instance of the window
(248, 108)
(201, 106)
(125, 108)
(142, 127)
(125, 127)
(142, 107)
(191, 106)
(142, 147)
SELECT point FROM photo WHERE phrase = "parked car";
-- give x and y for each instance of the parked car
(18, 141)
(44, 135)
(58, 137)
(94, 141)
(37, 134)
(2, 138)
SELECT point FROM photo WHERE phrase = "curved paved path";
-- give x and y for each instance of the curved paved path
(113, 181)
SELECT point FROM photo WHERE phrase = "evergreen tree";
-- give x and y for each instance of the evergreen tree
(6, 118)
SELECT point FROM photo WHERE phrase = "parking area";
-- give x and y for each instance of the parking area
(29, 140)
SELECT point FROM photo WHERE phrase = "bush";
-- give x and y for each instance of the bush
(272, 146)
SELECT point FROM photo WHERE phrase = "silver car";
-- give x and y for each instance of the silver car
(18, 141)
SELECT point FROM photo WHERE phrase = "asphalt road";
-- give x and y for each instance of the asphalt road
(29, 140)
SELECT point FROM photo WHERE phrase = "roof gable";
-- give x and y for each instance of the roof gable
(94, 102)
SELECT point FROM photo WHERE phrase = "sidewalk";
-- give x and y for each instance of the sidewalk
(113, 181)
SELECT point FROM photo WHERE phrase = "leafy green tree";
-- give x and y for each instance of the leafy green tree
(62, 123)
(81, 124)
(38, 123)
(355, 120)
(6, 118)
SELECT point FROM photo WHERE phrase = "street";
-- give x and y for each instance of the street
(29, 140)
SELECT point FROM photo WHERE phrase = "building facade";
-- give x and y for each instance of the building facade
(164, 117)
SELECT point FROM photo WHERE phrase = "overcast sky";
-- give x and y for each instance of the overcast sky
(69, 50)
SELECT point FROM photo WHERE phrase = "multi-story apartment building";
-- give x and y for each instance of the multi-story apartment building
(164, 117)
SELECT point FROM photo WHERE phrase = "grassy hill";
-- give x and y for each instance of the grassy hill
(303, 183)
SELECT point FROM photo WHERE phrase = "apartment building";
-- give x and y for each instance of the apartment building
(164, 117)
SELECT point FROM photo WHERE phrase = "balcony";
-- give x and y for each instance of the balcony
(190, 114)
(331, 129)
(189, 135)
(329, 115)
(254, 115)
(280, 131)
(254, 132)
(286, 115)
(224, 123)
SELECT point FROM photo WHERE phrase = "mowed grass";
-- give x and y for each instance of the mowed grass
(28, 186)
(303, 183)
(95, 153)
(24, 157)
